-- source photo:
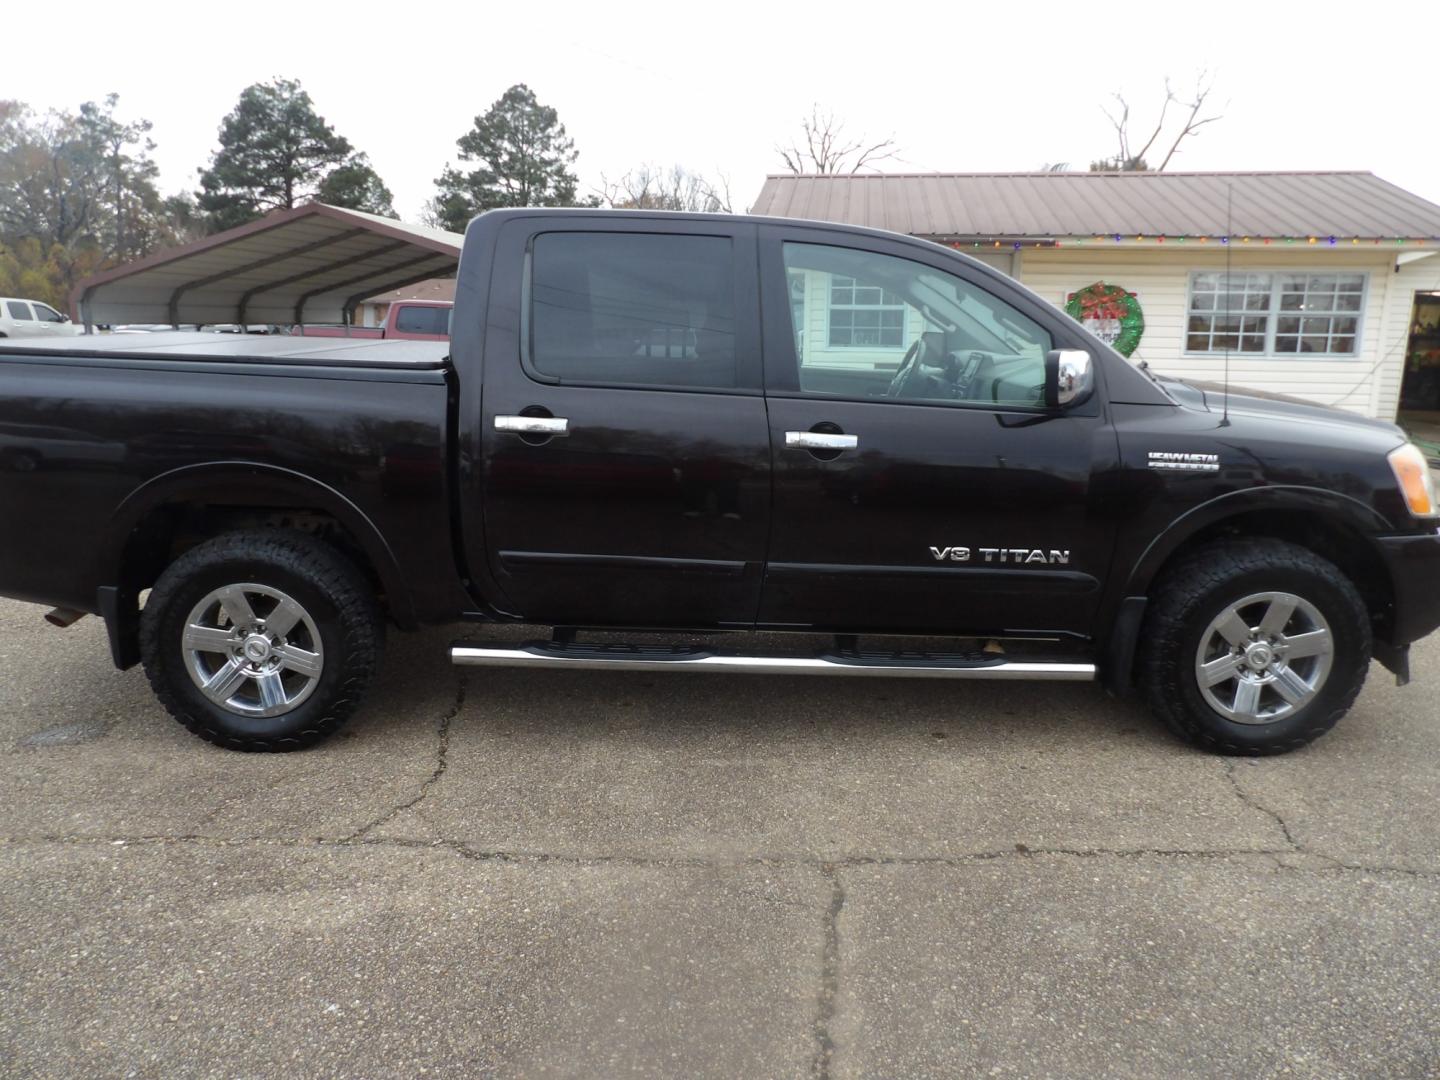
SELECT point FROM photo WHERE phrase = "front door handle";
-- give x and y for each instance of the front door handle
(553, 426)
(820, 440)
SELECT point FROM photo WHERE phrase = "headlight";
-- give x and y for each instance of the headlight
(1412, 473)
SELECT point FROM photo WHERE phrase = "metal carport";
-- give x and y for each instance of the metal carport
(310, 264)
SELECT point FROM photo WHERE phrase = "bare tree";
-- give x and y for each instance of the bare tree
(824, 147)
(650, 187)
(1129, 160)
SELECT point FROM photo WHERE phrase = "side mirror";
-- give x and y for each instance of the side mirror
(1069, 377)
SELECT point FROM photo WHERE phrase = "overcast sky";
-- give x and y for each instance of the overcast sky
(960, 86)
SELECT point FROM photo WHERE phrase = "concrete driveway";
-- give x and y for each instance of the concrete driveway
(554, 874)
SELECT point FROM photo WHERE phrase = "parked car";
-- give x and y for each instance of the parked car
(409, 320)
(32, 319)
(627, 433)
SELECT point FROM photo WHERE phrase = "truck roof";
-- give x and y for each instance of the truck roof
(247, 348)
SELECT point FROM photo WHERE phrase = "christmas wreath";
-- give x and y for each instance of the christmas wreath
(1113, 306)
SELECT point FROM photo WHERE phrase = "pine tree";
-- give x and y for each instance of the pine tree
(355, 185)
(275, 152)
(521, 156)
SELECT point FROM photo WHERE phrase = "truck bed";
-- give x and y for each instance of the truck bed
(100, 434)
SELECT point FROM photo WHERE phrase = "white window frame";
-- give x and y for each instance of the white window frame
(1274, 314)
(830, 308)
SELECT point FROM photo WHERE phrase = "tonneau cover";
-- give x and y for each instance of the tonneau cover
(242, 348)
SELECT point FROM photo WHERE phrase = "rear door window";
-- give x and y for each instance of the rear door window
(633, 309)
(19, 311)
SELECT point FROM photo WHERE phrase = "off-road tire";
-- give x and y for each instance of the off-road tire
(335, 594)
(1194, 591)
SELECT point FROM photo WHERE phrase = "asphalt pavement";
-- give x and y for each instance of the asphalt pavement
(553, 874)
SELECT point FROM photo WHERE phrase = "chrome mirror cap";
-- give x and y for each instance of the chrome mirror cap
(1069, 377)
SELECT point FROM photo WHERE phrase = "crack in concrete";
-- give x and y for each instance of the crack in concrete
(442, 762)
(824, 864)
(1255, 804)
(829, 977)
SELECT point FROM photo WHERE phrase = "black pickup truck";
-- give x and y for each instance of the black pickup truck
(665, 425)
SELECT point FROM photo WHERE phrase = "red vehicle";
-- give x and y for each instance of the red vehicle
(406, 320)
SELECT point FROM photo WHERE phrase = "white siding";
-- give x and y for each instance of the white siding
(1159, 278)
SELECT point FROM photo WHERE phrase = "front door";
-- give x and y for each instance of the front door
(921, 485)
(50, 322)
(627, 455)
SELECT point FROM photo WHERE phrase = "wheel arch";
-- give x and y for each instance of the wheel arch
(1283, 513)
(1331, 524)
(149, 516)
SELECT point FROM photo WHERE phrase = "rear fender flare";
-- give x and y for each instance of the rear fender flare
(247, 484)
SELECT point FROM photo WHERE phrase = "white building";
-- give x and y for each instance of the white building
(1312, 282)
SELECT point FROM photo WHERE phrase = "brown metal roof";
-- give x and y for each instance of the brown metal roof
(436, 289)
(309, 264)
(966, 205)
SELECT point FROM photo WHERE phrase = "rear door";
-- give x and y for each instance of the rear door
(627, 461)
(920, 483)
(21, 319)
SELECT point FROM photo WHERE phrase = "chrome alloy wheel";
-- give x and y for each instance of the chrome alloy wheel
(253, 650)
(1263, 657)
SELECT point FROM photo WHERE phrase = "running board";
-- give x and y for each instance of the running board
(909, 665)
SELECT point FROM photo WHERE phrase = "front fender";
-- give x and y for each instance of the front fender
(1343, 510)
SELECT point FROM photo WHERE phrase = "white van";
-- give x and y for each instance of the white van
(31, 318)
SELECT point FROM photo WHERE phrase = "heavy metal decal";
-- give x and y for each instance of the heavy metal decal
(1174, 459)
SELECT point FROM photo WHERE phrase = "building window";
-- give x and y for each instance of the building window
(865, 315)
(1275, 314)
(1319, 313)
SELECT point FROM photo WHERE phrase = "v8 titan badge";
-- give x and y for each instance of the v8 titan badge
(1051, 556)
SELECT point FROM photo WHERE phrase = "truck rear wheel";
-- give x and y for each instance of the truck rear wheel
(261, 641)
(1254, 647)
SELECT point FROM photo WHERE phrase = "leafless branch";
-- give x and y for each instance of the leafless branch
(827, 149)
(650, 187)
(1125, 160)
(1159, 124)
(1192, 124)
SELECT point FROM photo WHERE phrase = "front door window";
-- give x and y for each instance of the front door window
(873, 325)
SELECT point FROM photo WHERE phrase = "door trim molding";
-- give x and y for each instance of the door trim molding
(590, 561)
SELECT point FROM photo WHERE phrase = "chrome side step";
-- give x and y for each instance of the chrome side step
(909, 665)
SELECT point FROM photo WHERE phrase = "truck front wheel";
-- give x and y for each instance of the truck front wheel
(1253, 647)
(261, 641)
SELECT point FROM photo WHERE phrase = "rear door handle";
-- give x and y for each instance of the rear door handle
(534, 425)
(820, 440)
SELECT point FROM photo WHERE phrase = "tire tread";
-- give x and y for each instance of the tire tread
(322, 566)
(1164, 661)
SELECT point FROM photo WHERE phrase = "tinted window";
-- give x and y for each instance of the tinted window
(422, 320)
(871, 325)
(47, 314)
(19, 311)
(626, 308)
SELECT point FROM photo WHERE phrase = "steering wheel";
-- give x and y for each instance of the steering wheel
(907, 367)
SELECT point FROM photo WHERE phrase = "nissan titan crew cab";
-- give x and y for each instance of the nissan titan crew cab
(899, 460)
